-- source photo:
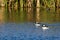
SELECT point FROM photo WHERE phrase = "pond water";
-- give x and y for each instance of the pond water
(29, 24)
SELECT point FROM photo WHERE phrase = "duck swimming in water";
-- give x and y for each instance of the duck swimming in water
(44, 27)
(37, 24)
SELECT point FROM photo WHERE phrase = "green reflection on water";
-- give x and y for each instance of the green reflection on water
(21, 15)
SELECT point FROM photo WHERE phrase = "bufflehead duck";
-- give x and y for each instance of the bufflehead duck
(44, 27)
(37, 24)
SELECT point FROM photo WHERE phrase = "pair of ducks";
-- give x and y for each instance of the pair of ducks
(39, 25)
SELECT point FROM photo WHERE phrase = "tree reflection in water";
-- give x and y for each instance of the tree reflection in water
(30, 15)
